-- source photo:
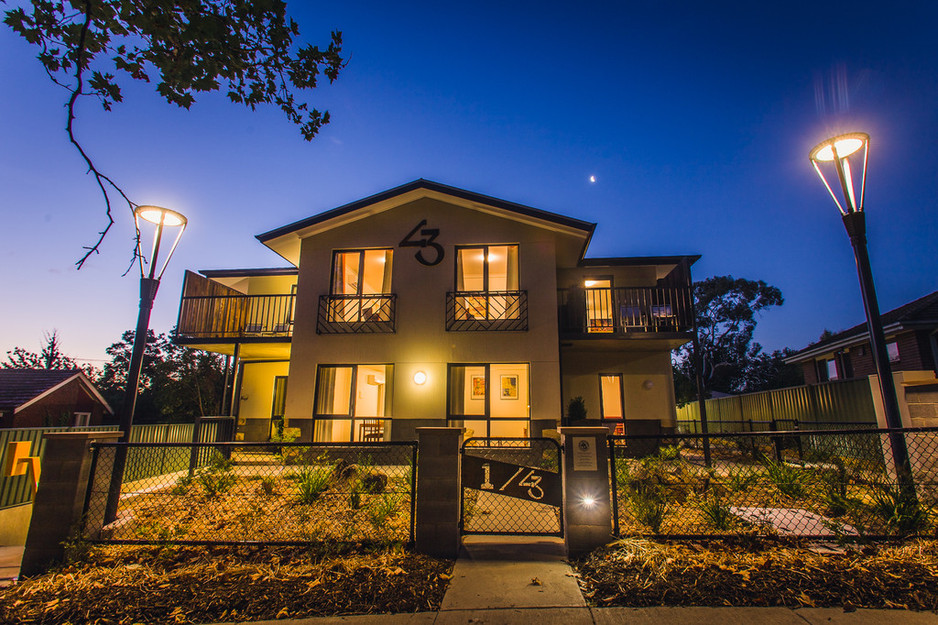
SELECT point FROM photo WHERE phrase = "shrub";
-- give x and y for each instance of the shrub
(899, 510)
(717, 513)
(648, 505)
(383, 508)
(217, 482)
(741, 481)
(182, 486)
(788, 479)
(268, 484)
(313, 482)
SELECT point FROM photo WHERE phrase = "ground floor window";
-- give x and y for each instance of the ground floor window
(489, 399)
(278, 406)
(611, 401)
(352, 403)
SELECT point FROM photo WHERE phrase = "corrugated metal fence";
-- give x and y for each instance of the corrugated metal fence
(15, 491)
(845, 401)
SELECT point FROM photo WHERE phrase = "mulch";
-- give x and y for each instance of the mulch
(638, 573)
(124, 584)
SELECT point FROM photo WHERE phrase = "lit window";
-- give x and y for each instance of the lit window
(892, 349)
(610, 391)
(491, 400)
(832, 369)
(352, 403)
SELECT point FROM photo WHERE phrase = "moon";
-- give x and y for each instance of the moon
(592, 178)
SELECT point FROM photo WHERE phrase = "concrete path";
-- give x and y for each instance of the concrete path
(10, 558)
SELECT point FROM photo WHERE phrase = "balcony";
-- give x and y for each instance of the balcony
(606, 312)
(356, 314)
(468, 311)
(224, 318)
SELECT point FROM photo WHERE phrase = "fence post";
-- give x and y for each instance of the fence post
(439, 487)
(60, 499)
(587, 508)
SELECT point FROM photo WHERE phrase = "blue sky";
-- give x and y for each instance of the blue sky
(695, 119)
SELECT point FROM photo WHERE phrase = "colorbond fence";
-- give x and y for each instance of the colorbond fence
(15, 491)
(846, 401)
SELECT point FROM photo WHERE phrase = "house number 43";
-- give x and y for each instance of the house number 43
(428, 239)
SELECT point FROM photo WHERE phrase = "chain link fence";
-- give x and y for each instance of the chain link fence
(229, 493)
(489, 510)
(805, 483)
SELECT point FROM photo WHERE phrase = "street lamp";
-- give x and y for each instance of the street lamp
(162, 222)
(848, 155)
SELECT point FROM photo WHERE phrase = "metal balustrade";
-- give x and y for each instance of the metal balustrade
(356, 314)
(235, 317)
(611, 311)
(486, 310)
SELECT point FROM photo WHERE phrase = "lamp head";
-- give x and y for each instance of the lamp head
(160, 220)
(839, 152)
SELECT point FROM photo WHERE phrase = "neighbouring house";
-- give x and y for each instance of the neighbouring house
(428, 305)
(911, 333)
(33, 398)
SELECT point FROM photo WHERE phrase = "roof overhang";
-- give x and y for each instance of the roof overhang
(286, 240)
(812, 352)
(86, 383)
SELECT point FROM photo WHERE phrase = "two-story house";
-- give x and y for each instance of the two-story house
(427, 305)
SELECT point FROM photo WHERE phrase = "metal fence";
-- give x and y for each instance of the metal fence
(807, 483)
(284, 493)
(841, 401)
(15, 491)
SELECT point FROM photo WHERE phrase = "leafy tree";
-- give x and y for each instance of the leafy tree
(732, 362)
(245, 47)
(176, 383)
(50, 356)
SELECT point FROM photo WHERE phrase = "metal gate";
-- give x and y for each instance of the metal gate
(511, 486)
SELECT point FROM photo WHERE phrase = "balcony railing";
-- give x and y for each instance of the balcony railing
(356, 314)
(235, 317)
(621, 311)
(487, 310)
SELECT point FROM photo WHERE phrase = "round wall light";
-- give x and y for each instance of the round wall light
(420, 377)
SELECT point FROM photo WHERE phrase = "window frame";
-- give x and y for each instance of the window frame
(485, 267)
(353, 386)
(361, 270)
(487, 416)
(602, 402)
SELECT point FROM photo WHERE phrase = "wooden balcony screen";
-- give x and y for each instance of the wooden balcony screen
(468, 311)
(356, 314)
(210, 310)
(625, 310)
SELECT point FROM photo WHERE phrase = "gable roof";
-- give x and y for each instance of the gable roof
(920, 312)
(285, 240)
(21, 387)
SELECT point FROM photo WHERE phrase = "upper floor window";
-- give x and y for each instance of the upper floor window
(892, 349)
(361, 272)
(487, 268)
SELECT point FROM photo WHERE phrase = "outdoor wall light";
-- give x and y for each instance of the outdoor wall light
(420, 378)
(588, 501)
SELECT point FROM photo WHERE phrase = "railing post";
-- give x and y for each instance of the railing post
(439, 489)
(587, 506)
(61, 496)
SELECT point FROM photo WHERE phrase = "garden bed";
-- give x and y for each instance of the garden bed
(637, 572)
(134, 584)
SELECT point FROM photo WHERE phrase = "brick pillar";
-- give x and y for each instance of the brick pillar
(57, 507)
(587, 508)
(438, 491)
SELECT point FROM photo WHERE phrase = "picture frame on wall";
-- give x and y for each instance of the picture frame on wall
(509, 387)
(478, 386)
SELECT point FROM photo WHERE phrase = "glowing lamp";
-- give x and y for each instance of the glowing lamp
(839, 152)
(420, 378)
(161, 221)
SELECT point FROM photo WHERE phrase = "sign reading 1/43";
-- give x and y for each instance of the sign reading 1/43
(512, 480)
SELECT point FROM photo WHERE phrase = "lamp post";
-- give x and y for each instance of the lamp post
(848, 155)
(161, 221)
